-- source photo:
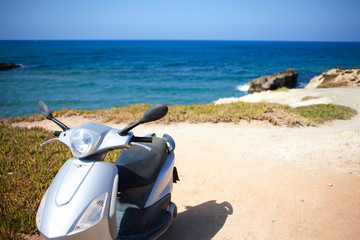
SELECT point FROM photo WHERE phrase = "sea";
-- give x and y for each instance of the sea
(105, 74)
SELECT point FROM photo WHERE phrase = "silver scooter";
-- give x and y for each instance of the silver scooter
(93, 199)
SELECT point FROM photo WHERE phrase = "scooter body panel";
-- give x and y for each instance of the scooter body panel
(66, 200)
(92, 199)
(164, 181)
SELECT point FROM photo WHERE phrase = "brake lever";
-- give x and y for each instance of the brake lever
(50, 140)
(141, 145)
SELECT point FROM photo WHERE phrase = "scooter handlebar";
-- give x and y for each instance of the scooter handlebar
(141, 139)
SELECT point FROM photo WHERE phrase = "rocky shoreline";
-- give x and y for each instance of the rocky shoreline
(287, 78)
(8, 66)
(337, 77)
(310, 95)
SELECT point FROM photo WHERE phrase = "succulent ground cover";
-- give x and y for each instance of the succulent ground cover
(26, 169)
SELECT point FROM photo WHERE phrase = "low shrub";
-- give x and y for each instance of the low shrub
(321, 113)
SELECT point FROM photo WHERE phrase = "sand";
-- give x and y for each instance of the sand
(257, 181)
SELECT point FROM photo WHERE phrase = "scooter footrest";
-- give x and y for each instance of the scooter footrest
(155, 229)
(161, 220)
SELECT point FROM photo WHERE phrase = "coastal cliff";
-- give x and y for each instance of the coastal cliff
(336, 77)
(287, 78)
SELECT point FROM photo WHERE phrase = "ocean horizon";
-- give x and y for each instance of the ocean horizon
(98, 74)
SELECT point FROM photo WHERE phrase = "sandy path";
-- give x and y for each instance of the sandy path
(256, 181)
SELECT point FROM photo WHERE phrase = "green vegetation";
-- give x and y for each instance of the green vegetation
(234, 112)
(26, 169)
(325, 112)
(282, 89)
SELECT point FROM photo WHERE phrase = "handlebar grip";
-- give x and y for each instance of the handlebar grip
(57, 133)
(142, 139)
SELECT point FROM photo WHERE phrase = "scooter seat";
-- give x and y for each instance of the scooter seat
(138, 166)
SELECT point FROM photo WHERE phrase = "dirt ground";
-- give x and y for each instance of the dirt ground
(258, 181)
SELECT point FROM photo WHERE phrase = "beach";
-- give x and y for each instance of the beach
(253, 180)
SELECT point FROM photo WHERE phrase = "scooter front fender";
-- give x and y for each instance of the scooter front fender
(73, 190)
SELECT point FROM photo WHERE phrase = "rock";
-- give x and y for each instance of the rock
(286, 78)
(8, 66)
(336, 77)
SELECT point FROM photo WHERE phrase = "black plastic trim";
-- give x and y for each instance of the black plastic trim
(175, 175)
(144, 223)
(142, 139)
(57, 133)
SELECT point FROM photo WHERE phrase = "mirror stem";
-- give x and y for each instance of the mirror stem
(127, 129)
(60, 124)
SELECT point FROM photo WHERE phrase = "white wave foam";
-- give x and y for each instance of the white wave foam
(243, 88)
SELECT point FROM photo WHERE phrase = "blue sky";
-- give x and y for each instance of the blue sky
(294, 20)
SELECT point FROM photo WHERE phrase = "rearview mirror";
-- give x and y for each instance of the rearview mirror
(45, 110)
(154, 113)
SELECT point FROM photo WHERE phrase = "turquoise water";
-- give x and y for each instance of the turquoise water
(104, 74)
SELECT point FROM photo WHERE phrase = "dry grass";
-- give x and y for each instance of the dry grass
(234, 112)
(26, 169)
(309, 98)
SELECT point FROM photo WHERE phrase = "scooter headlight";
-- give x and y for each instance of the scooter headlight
(83, 142)
(93, 214)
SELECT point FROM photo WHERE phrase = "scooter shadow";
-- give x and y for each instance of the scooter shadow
(201, 222)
